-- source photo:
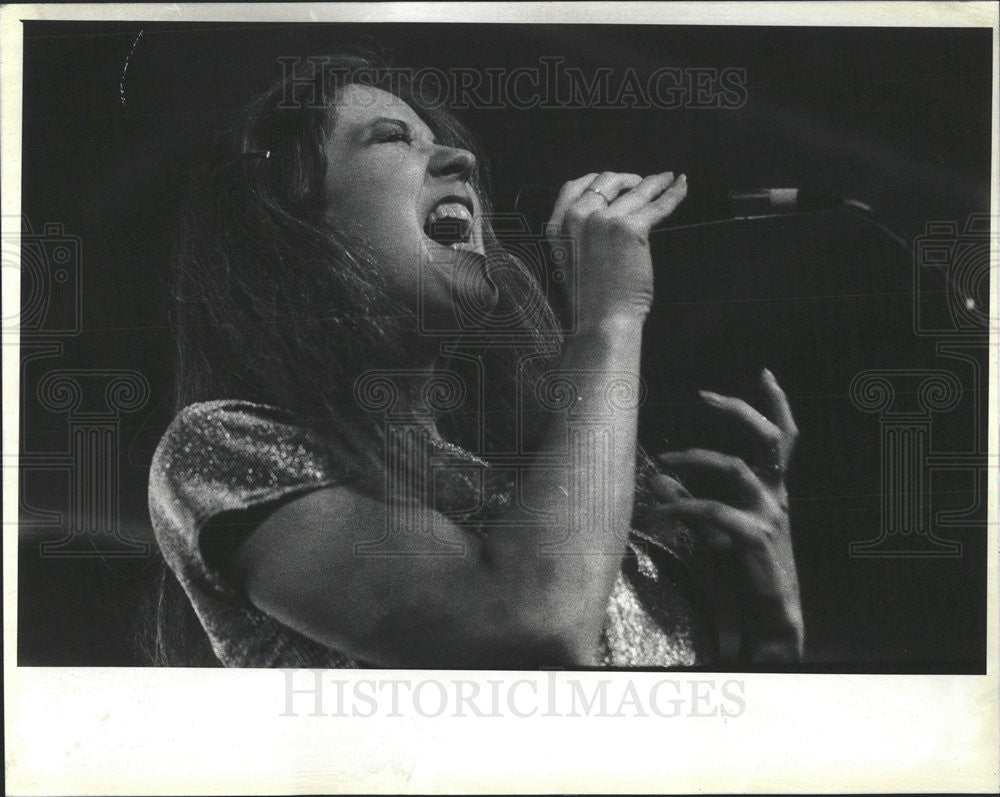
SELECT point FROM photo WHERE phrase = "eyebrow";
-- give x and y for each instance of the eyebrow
(403, 122)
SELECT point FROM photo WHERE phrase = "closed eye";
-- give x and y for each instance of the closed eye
(390, 130)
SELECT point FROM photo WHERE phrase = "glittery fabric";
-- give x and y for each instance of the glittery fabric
(652, 621)
(227, 456)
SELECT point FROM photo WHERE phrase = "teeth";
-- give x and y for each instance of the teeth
(449, 223)
(449, 210)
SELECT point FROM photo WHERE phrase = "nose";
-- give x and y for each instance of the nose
(452, 162)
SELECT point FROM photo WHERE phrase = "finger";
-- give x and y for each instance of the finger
(711, 535)
(580, 198)
(611, 185)
(778, 405)
(644, 192)
(657, 210)
(666, 488)
(742, 527)
(598, 196)
(732, 470)
(706, 532)
(568, 194)
(768, 434)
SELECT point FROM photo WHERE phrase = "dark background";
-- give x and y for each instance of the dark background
(899, 118)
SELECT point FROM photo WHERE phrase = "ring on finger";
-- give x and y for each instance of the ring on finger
(600, 193)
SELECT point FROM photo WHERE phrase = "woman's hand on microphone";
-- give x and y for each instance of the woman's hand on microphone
(604, 221)
(744, 518)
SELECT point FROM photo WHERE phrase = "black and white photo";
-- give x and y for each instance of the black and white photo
(621, 364)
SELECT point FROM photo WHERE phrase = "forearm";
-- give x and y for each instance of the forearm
(568, 563)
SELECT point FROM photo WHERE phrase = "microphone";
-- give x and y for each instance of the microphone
(740, 203)
(705, 206)
(711, 206)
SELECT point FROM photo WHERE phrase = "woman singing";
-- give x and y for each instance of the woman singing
(344, 485)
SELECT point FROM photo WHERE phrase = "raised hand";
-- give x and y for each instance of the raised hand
(745, 518)
(608, 217)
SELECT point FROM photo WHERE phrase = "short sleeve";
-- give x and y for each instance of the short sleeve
(217, 460)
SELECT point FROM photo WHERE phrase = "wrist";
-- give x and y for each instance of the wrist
(777, 641)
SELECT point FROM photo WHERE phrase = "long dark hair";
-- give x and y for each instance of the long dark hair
(274, 304)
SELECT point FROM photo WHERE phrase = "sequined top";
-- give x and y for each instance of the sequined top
(234, 456)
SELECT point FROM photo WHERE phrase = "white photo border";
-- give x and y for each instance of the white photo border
(186, 731)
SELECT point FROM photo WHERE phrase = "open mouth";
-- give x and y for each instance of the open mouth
(450, 224)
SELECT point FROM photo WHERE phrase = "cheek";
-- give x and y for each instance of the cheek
(368, 185)
(377, 202)
(381, 212)
(360, 198)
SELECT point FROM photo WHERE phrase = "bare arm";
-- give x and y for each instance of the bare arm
(503, 603)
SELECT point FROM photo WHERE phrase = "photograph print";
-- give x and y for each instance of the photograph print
(464, 346)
